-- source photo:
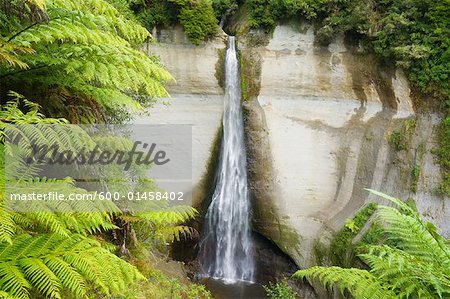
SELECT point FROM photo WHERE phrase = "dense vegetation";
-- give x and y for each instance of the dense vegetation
(413, 34)
(279, 290)
(79, 61)
(78, 57)
(197, 17)
(342, 247)
(408, 260)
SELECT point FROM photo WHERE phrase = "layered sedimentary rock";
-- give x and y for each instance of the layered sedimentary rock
(320, 131)
(322, 124)
(196, 96)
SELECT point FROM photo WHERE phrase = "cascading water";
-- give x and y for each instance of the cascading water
(226, 247)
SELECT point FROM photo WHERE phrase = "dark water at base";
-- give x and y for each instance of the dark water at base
(239, 290)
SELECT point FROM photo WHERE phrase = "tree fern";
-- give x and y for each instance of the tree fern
(165, 223)
(414, 263)
(27, 266)
(86, 47)
(10, 54)
(411, 233)
(360, 283)
(406, 273)
(52, 264)
(51, 254)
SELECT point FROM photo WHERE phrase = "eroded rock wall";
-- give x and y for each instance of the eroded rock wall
(196, 97)
(319, 132)
(319, 127)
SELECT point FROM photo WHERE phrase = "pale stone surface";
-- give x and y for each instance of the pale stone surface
(328, 121)
(193, 67)
(203, 112)
(323, 121)
(196, 97)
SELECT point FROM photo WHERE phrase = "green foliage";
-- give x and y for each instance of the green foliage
(342, 247)
(360, 283)
(198, 20)
(158, 13)
(415, 176)
(416, 169)
(442, 153)
(50, 253)
(262, 14)
(196, 16)
(224, 8)
(415, 263)
(79, 51)
(123, 6)
(414, 34)
(398, 140)
(55, 266)
(81, 58)
(164, 223)
(279, 290)
(53, 254)
(266, 13)
(161, 285)
(250, 73)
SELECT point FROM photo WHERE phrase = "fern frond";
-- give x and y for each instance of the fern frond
(172, 233)
(51, 264)
(411, 233)
(89, 48)
(7, 223)
(168, 215)
(359, 283)
(407, 274)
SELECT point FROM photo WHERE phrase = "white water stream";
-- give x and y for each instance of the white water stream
(226, 247)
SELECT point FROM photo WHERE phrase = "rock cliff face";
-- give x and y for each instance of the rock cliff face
(322, 124)
(327, 123)
(196, 97)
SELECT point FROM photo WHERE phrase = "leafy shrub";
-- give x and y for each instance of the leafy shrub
(156, 13)
(224, 8)
(198, 20)
(262, 14)
(279, 290)
(416, 34)
(398, 141)
(266, 13)
(342, 248)
(196, 16)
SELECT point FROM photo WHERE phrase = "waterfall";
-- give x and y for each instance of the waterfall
(226, 246)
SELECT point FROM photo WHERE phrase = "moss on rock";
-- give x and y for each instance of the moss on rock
(250, 64)
(220, 68)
